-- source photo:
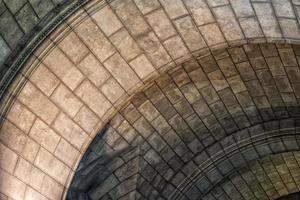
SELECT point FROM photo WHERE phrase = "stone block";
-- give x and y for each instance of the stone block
(258, 63)
(228, 23)
(202, 108)
(30, 150)
(70, 75)
(246, 71)
(13, 187)
(127, 131)
(155, 52)
(208, 63)
(189, 33)
(66, 100)
(122, 72)
(112, 90)
(142, 66)
(227, 67)
(175, 8)
(9, 29)
(49, 81)
(191, 93)
(44, 135)
(165, 108)
(254, 88)
(156, 142)
(93, 98)
(86, 119)
(73, 47)
(14, 6)
(26, 18)
(147, 6)
(199, 78)
(237, 85)
(161, 125)
(143, 127)
(41, 7)
(51, 189)
(269, 50)
(214, 3)
(267, 19)
(4, 51)
(183, 108)
(293, 73)
(148, 111)
(66, 152)
(8, 159)
(283, 9)
(180, 77)
(212, 34)
(283, 84)
(29, 174)
(107, 20)
(94, 70)
(130, 16)
(242, 8)
(288, 57)
(200, 11)
(275, 66)
(127, 47)
(32, 194)
(95, 39)
(70, 131)
(52, 166)
(21, 116)
(237, 54)
(161, 25)
(175, 47)
(265, 77)
(217, 79)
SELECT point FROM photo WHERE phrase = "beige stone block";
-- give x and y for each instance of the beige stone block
(94, 70)
(266, 17)
(147, 6)
(21, 116)
(52, 189)
(8, 158)
(190, 33)
(217, 79)
(174, 8)
(107, 20)
(142, 66)
(94, 39)
(154, 50)
(73, 47)
(52, 166)
(12, 137)
(44, 79)
(200, 11)
(283, 8)
(214, 3)
(127, 47)
(242, 8)
(212, 34)
(66, 152)
(38, 103)
(30, 149)
(112, 90)
(63, 68)
(251, 27)
(32, 194)
(121, 71)
(86, 119)
(12, 187)
(44, 135)
(66, 100)
(161, 25)
(130, 16)
(93, 98)
(289, 28)
(70, 131)
(29, 174)
(228, 23)
(176, 47)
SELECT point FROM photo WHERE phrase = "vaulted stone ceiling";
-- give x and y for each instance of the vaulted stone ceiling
(149, 99)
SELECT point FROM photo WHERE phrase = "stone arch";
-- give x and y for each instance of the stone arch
(56, 94)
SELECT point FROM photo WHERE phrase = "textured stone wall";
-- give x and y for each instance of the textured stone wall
(82, 75)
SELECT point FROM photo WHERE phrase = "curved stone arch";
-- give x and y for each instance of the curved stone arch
(267, 175)
(38, 110)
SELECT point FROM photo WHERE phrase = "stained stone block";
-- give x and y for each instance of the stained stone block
(212, 34)
(41, 7)
(26, 18)
(289, 28)
(227, 67)
(242, 8)
(208, 63)
(214, 3)
(228, 23)
(175, 47)
(217, 79)
(165, 108)
(156, 142)
(9, 29)
(200, 11)
(201, 108)
(161, 125)
(238, 55)
(107, 20)
(161, 25)
(112, 90)
(190, 34)
(191, 93)
(287, 57)
(265, 77)
(254, 88)
(147, 6)
(142, 66)
(175, 8)
(268, 50)
(130, 16)
(209, 94)
(246, 71)
(237, 85)
(105, 187)
(267, 20)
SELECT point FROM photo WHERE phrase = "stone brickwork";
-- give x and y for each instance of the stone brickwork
(183, 86)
